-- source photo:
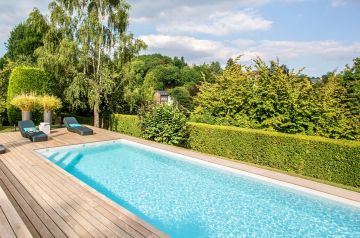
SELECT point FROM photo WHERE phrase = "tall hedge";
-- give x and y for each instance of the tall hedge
(24, 79)
(336, 161)
(126, 124)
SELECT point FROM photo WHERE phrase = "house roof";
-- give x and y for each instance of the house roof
(162, 93)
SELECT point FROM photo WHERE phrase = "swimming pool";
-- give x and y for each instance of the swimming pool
(187, 198)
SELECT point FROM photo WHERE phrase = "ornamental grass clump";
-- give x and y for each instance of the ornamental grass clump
(49, 103)
(25, 102)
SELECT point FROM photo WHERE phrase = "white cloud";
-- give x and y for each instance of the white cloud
(218, 23)
(338, 3)
(195, 50)
(209, 17)
(327, 50)
(198, 50)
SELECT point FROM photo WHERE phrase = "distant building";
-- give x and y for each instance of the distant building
(162, 97)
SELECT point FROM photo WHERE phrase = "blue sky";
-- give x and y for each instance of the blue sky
(319, 35)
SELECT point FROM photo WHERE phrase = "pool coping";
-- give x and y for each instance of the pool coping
(292, 182)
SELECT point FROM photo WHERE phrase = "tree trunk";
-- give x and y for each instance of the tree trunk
(96, 116)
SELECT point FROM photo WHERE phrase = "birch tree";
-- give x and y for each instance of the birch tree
(97, 32)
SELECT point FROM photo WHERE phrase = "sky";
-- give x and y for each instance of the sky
(317, 35)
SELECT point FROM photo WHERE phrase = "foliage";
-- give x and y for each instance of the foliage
(126, 124)
(168, 75)
(274, 98)
(26, 37)
(147, 73)
(85, 47)
(5, 73)
(350, 80)
(333, 120)
(48, 102)
(25, 102)
(25, 80)
(182, 97)
(22, 42)
(165, 124)
(316, 157)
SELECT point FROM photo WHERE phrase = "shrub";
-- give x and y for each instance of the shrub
(165, 124)
(49, 103)
(24, 80)
(126, 124)
(336, 161)
(24, 102)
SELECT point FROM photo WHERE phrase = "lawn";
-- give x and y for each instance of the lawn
(6, 129)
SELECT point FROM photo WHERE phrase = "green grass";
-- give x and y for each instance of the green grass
(6, 129)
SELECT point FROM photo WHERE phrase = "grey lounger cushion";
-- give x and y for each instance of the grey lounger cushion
(73, 125)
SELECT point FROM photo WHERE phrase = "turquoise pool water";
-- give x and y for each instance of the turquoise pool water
(187, 199)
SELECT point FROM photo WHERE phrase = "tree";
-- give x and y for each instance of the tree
(26, 37)
(5, 72)
(334, 118)
(230, 62)
(209, 72)
(350, 79)
(180, 63)
(96, 31)
(168, 75)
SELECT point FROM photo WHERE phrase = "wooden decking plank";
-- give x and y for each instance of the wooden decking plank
(13, 217)
(42, 210)
(27, 208)
(46, 212)
(5, 228)
(18, 209)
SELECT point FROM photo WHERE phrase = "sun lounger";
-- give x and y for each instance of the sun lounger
(28, 130)
(73, 125)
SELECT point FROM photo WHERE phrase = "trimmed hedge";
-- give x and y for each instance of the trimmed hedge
(126, 124)
(24, 79)
(336, 161)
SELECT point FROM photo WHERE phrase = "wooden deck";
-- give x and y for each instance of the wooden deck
(51, 203)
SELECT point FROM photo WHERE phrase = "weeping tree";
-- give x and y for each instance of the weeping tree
(87, 45)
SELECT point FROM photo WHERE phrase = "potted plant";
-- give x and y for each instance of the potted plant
(49, 103)
(25, 102)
